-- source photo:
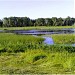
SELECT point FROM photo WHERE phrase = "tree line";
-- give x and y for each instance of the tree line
(26, 21)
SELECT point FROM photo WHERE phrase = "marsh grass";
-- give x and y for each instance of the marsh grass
(12, 43)
(18, 43)
(37, 27)
(48, 62)
(62, 38)
(26, 54)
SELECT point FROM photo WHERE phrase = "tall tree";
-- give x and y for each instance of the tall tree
(40, 22)
(1, 23)
(48, 22)
(26, 21)
(60, 22)
(55, 20)
(68, 21)
(5, 22)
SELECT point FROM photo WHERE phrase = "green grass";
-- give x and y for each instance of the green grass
(26, 54)
(18, 43)
(64, 38)
(37, 62)
(37, 27)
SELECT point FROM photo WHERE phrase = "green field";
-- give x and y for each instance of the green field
(37, 27)
(18, 43)
(27, 54)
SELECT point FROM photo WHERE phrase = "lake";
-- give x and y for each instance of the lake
(38, 32)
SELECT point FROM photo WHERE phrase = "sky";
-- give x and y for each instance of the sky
(37, 8)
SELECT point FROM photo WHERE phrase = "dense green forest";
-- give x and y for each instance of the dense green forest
(26, 21)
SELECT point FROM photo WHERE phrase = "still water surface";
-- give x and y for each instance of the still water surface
(37, 32)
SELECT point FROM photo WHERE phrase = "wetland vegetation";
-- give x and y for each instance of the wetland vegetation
(27, 54)
(40, 46)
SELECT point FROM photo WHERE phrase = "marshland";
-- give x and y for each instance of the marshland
(41, 44)
(32, 54)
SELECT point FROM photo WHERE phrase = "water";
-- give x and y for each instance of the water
(48, 40)
(1, 31)
(38, 32)
(73, 44)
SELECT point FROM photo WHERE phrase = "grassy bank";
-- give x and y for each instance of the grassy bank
(37, 27)
(62, 38)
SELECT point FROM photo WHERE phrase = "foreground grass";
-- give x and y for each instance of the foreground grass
(37, 27)
(37, 62)
(26, 54)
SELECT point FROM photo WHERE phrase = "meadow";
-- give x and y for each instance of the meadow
(37, 62)
(36, 27)
(27, 54)
(18, 43)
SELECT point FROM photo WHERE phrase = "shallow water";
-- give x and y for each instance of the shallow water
(1, 31)
(37, 32)
(48, 40)
(73, 44)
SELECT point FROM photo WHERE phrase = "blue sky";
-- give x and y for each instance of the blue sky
(37, 8)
